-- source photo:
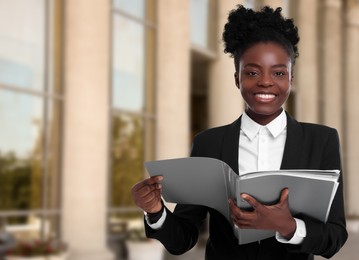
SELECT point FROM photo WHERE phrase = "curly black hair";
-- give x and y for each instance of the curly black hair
(246, 27)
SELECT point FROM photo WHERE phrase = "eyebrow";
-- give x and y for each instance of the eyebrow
(259, 66)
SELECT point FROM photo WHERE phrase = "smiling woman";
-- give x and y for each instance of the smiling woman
(264, 137)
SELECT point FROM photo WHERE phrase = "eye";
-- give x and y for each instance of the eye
(251, 73)
(280, 73)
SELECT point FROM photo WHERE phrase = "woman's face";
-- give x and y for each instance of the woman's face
(264, 79)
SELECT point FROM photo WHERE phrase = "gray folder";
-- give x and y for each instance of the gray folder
(210, 182)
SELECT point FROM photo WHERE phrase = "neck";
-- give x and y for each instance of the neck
(261, 118)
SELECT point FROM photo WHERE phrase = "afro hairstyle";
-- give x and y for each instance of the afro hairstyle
(246, 27)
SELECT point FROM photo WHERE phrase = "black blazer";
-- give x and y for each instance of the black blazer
(308, 146)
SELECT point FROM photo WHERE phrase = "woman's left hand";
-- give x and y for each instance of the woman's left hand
(275, 217)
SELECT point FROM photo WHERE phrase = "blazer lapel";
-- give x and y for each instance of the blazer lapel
(229, 152)
(293, 149)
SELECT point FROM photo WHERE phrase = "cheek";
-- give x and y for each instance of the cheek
(244, 85)
(242, 89)
(289, 89)
(245, 94)
(285, 86)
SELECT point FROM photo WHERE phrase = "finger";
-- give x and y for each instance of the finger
(150, 201)
(233, 207)
(231, 203)
(140, 191)
(153, 180)
(251, 201)
(238, 215)
(148, 181)
(242, 221)
(152, 196)
(146, 190)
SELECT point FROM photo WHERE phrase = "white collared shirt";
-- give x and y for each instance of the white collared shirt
(261, 148)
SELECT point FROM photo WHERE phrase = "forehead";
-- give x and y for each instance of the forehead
(265, 53)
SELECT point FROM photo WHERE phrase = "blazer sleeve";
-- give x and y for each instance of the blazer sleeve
(326, 239)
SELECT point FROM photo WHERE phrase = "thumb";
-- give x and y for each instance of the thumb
(284, 196)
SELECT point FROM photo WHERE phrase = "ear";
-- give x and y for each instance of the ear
(236, 79)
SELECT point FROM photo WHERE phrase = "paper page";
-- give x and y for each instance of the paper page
(309, 196)
(196, 181)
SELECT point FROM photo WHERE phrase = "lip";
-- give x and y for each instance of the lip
(265, 97)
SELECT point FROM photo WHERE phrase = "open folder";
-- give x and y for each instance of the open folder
(210, 182)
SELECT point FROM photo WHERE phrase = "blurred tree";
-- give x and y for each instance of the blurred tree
(127, 158)
(15, 177)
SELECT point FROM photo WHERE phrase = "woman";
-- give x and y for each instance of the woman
(265, 137)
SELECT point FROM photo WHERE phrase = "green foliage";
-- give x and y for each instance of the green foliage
(16, 186)
(127, 156)
(15, 182)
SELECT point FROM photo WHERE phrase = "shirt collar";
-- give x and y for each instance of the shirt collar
(275, 127)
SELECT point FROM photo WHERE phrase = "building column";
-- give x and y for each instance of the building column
(331, 84)
(275, 3)
(86, 128)
(352, 110)
(173, 79)
(225, 100)
(306, 68)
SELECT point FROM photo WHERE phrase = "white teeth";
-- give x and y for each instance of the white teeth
(265, 96)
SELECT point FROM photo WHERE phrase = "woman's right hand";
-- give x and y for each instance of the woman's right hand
(147, 194)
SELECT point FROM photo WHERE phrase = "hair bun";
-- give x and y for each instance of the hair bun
(245, 27)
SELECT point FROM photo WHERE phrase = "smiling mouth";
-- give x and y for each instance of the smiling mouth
(265, 97)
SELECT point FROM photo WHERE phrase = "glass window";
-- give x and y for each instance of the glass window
(133, 7)
(30, 116)
(128, 64)
(21, 151)
(199, 22)
(249, 4)
(21, 127)
(22, 43)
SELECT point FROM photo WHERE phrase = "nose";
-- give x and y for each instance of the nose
(265, 81)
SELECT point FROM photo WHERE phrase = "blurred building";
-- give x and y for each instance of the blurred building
(91, 89)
